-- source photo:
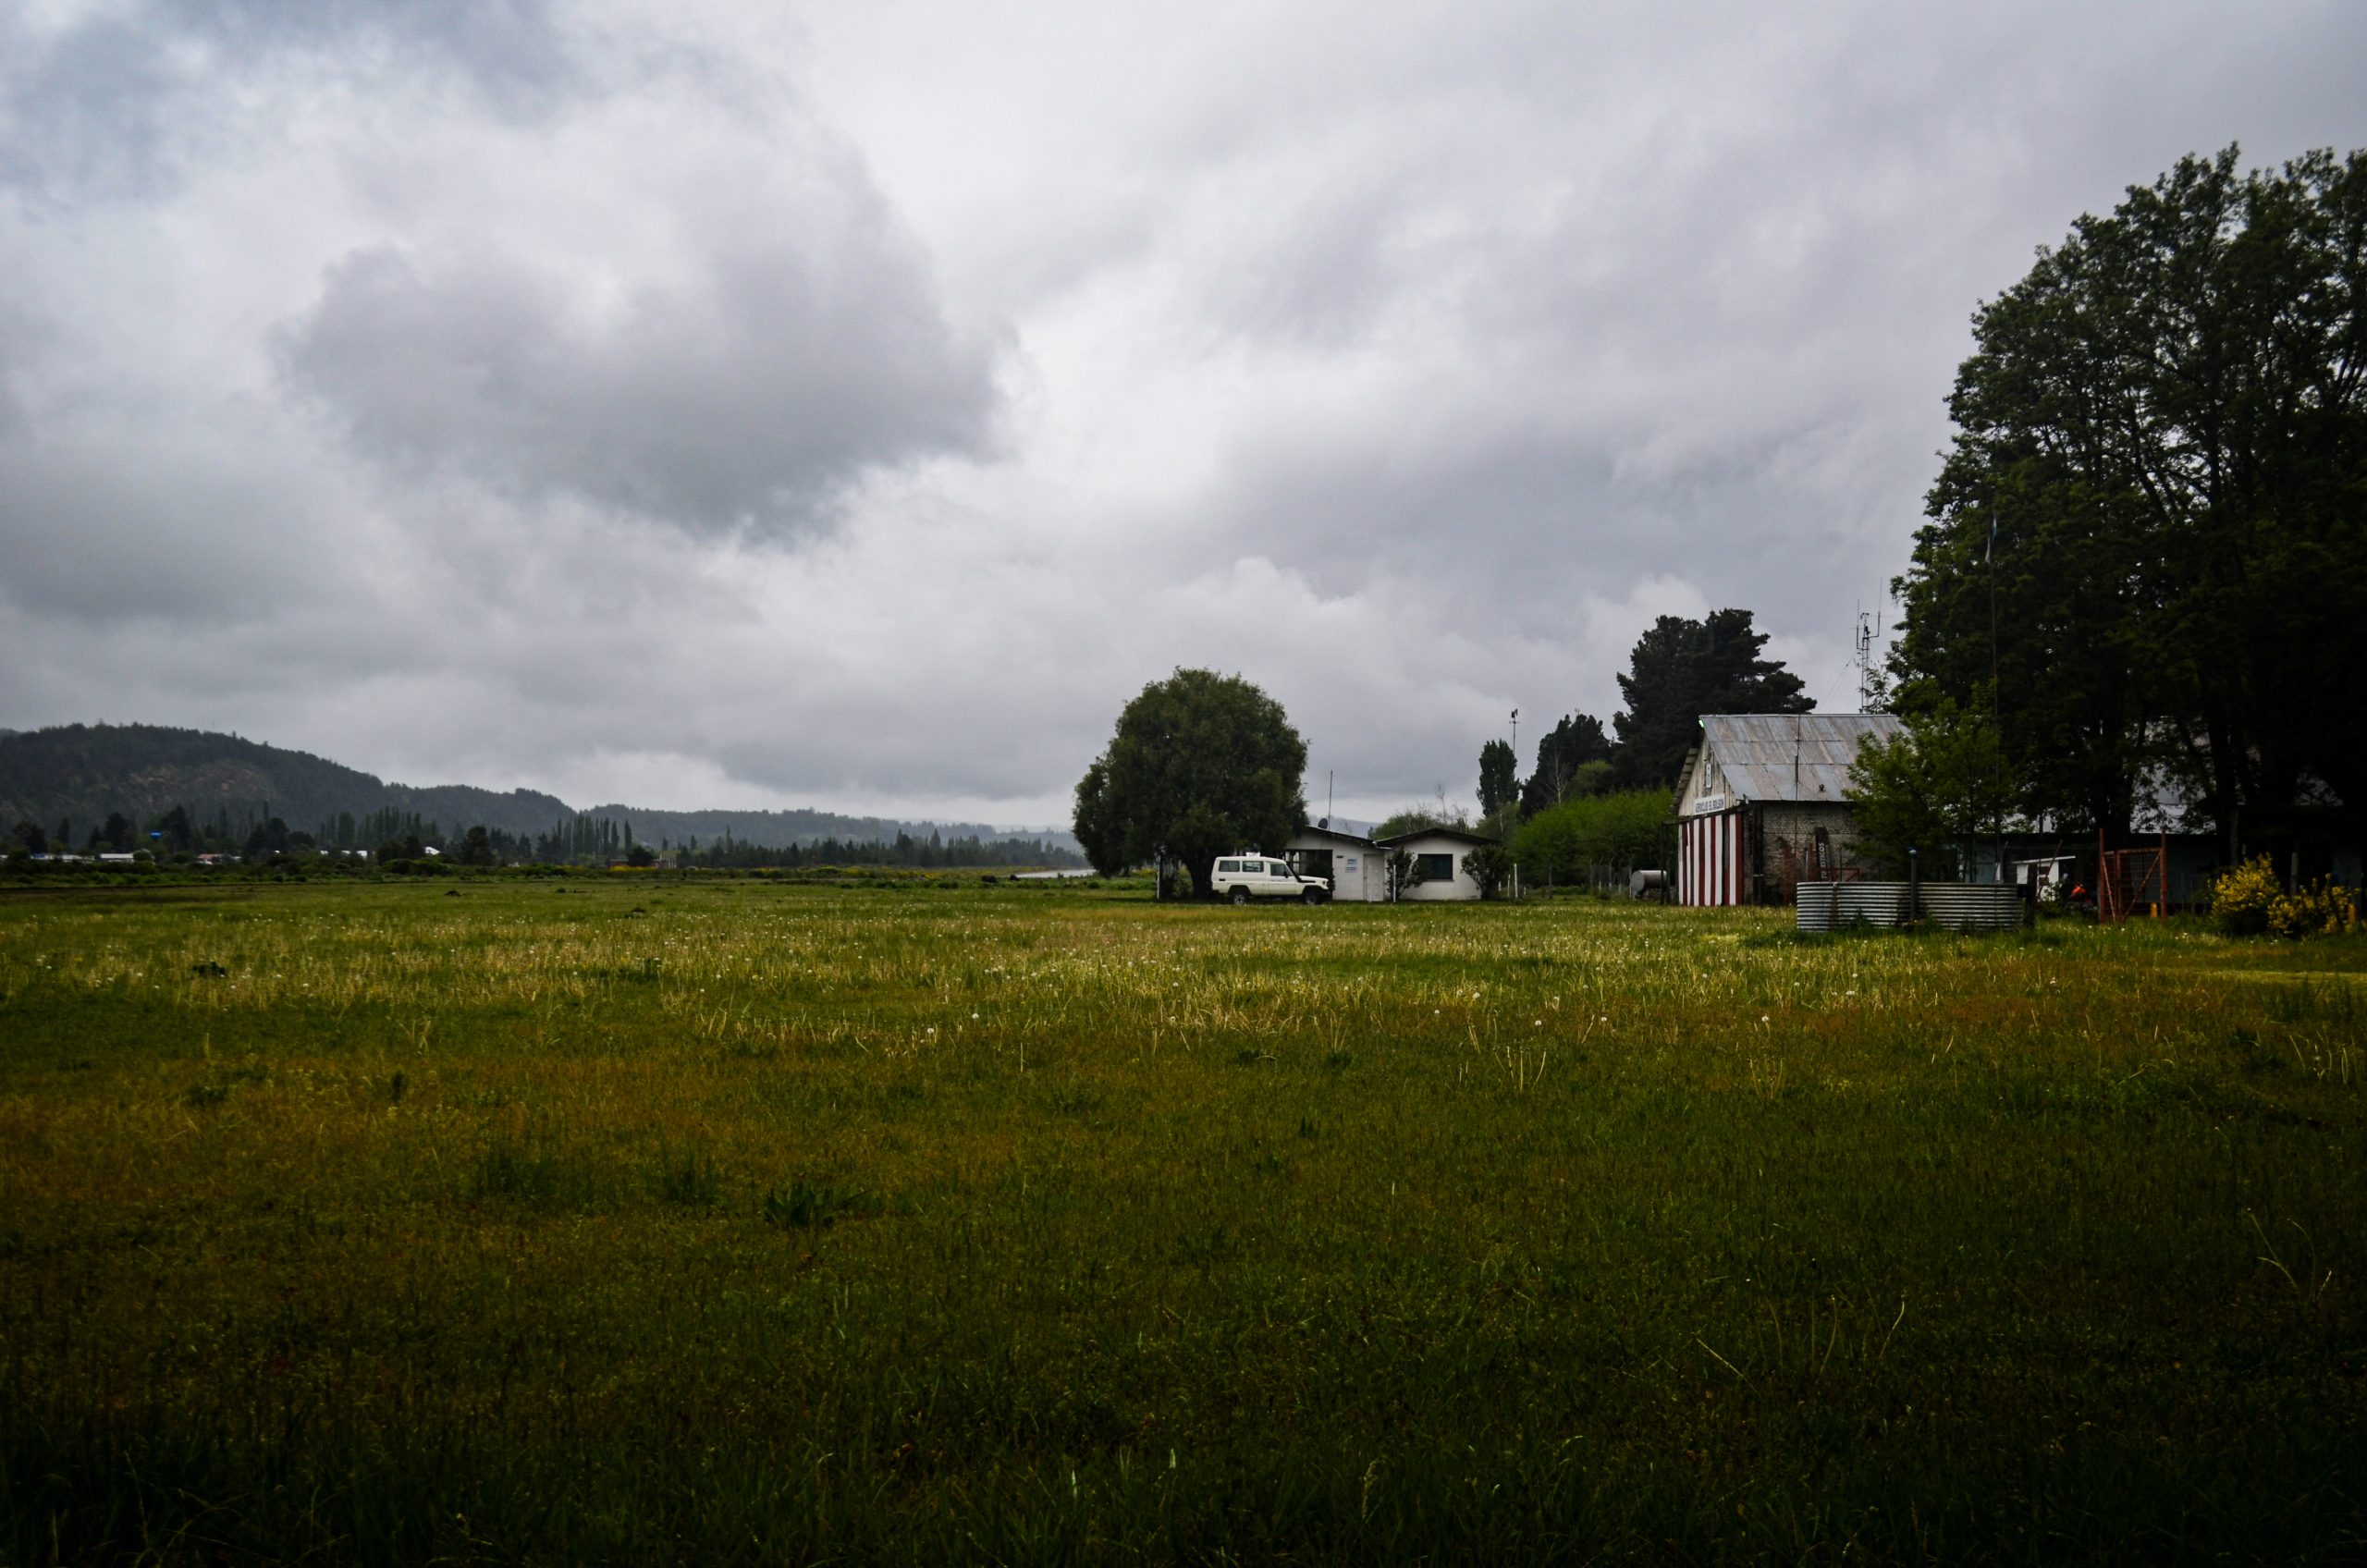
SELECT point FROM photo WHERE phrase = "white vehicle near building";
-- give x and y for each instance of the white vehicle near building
(1351, 864)
(1244, 878)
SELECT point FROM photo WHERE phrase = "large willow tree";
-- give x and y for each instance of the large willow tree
(2150, 529)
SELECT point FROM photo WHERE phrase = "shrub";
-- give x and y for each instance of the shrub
(1564, 843)
(2320, 909)
(2247, 901)
(2242, 898)
(1490, 866)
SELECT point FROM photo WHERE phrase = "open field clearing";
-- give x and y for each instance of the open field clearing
(721, 1222)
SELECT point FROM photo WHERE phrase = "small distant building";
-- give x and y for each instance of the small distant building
(1442, 857)
(1356, 865)
(1763, 804)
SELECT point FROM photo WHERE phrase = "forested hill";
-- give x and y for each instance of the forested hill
(79, 774)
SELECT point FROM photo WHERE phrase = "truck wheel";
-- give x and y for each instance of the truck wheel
(1312, 896)
(1241, 895)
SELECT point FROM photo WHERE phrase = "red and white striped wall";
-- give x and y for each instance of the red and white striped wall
(1710, 866)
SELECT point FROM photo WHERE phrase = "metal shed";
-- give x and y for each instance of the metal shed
(1763, 806)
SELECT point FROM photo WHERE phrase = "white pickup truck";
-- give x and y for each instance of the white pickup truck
(1244, 878)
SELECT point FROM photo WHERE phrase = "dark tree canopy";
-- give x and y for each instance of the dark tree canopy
(1202, 764)
(1681, 669)
(2160, 439)
(1498, 777)
(1564, 755)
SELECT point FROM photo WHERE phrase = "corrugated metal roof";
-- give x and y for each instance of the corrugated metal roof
(1465, 833)
(1757, 752)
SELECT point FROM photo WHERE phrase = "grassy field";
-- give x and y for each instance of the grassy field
(715, 1222)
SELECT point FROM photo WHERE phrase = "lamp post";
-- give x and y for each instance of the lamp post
(1914, 884)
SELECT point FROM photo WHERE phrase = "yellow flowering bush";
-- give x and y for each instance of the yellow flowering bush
(2241, 898)
(2248, 901)
(2319, 909)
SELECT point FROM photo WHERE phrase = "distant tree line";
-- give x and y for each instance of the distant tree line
(174, 831)
(932, 852)
(395, 838)
(587, 840)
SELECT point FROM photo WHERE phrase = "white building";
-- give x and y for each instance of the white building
(1442, 859)
(1357, 867)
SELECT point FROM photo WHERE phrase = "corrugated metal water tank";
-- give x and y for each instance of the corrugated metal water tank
(1972, 906)
(1836, 906)
(1957, 906)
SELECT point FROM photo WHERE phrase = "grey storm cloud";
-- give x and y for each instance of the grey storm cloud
(855, 405)
(123, 100)
(747, 394)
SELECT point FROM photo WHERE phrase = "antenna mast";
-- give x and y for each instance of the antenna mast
(1869, 627)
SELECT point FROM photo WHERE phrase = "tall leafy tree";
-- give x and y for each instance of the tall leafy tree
(1564, 755)
(2150, 530)
(1935, 788)
(1498, 777)
(1201, 765)
(1682, 668)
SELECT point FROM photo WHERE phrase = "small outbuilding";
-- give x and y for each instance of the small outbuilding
(1763, 804)
(1356, 865)
(1442, 862)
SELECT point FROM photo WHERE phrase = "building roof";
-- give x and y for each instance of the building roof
(1465, 833)
(1332, 833)
(1790, 756)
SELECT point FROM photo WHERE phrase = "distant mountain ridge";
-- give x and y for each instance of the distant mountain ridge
(80, 773)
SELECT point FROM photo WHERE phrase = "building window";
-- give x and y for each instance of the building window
(1435, 868)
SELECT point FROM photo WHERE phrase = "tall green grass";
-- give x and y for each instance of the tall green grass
(731, 1222)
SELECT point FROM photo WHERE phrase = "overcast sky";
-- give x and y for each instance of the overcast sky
(698, 406)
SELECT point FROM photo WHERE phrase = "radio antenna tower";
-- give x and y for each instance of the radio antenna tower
(1870, 627)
